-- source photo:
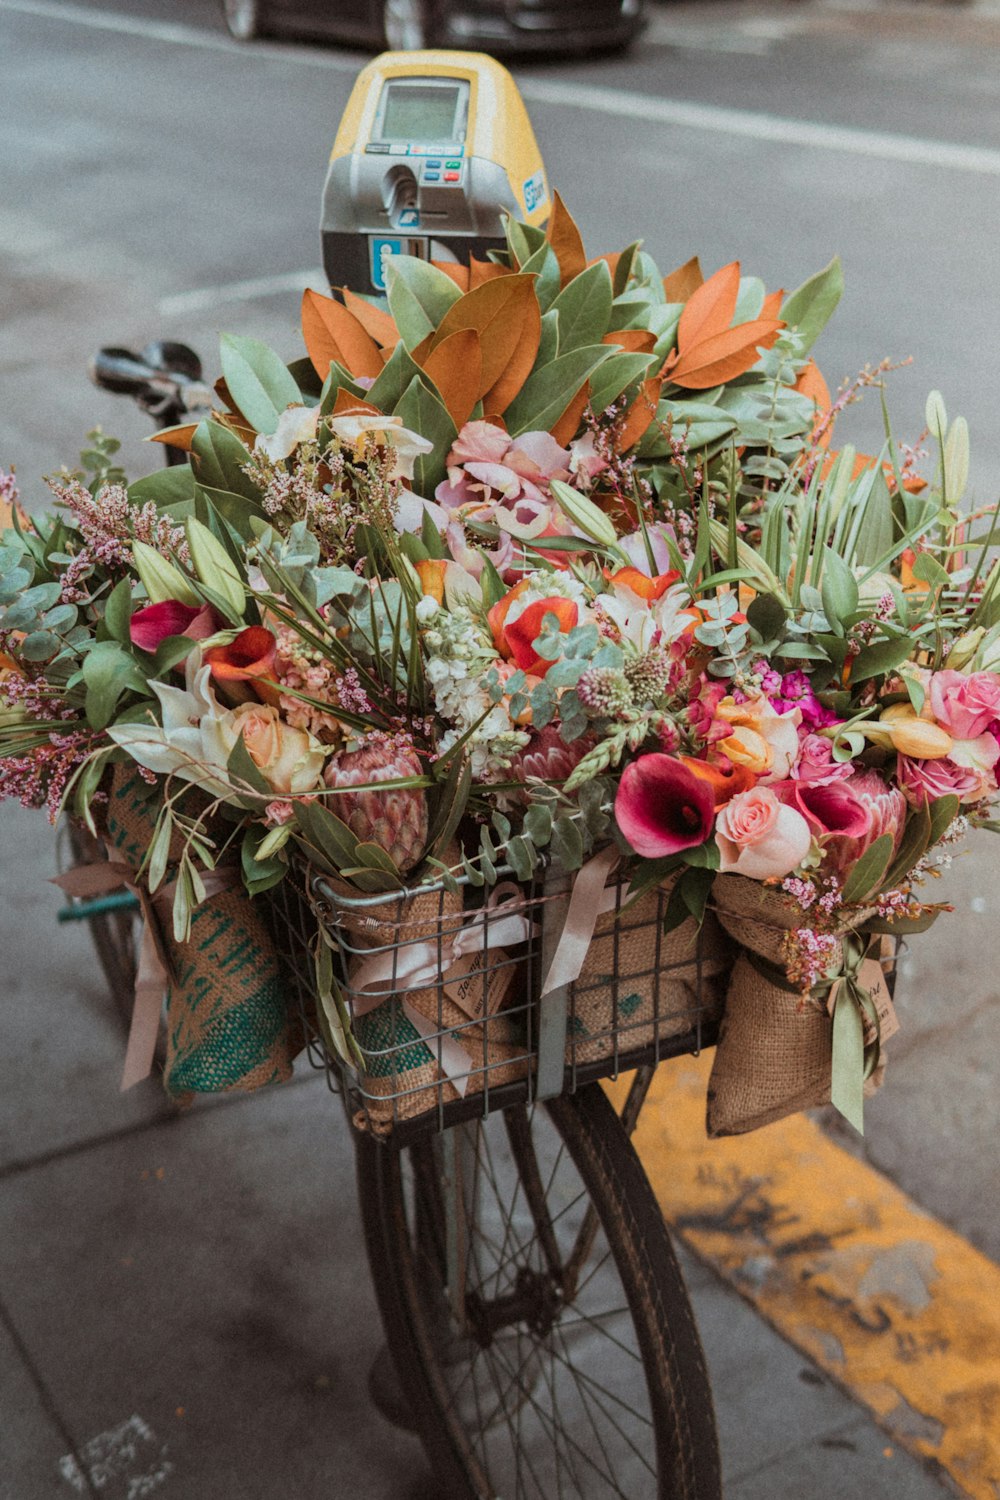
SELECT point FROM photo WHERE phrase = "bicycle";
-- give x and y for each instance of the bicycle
(541, 1338)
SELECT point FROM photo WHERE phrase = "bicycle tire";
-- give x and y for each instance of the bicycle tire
(445, 1377)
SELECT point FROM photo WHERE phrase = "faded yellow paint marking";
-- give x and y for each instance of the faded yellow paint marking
(899, 1309)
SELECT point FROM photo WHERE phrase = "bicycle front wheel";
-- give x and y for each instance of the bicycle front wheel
(536, 1312)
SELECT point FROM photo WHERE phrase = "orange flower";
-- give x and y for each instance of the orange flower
(640, 584)
(725, 777)
(515, 642)
(247, 659)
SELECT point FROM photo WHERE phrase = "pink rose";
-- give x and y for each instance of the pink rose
(967, 773)
(816, 762)
(964, 704)
(759, 836)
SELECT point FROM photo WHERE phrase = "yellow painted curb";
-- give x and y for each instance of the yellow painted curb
(901, 1311)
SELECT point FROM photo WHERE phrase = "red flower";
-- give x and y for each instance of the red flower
(156, 622)
(515, 642)
(662, 807)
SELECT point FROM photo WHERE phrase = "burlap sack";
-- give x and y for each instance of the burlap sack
(403, 1074)
(774, 1053)
(640, 985)
(228, 1023)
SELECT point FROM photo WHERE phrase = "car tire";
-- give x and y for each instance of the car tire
(408, 25)
(245, 19)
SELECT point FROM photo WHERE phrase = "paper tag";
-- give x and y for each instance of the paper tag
(476, 993)
(872, 979)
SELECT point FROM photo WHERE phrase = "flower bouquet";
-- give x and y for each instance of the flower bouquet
(543, 575)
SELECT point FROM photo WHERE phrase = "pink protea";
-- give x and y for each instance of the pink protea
(548, 757)
(888, 809)
(396, 818)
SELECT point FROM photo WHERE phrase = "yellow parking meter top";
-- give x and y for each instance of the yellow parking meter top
(489, 125)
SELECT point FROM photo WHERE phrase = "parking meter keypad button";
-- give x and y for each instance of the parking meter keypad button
(451, 176)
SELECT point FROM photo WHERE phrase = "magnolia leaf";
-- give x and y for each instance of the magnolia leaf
(497, 310)
(118, 612)
(165, 487)
(421, 411)
(912, 846)
(548, 391)
(257, 380)
(545, 267)
(175, 437)
(681, 284)
(709, 310)
(455, 366)
(868, 872)
(809, 309)
(219, 460)
(373, 319)
(397, 373)
(566, 240)
(419, 297)
(721, 357)
(332, 332)
(235, 510)
(522, 361)
(943, 811)
(584, 307)
(617, 373)
(565, 429)
(750, 300)
(548, 344)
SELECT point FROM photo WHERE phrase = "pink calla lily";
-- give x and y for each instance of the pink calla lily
(662, 807)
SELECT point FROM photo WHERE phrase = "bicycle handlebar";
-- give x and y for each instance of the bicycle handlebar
(165, 379)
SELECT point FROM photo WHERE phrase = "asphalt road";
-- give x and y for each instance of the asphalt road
(150, 169)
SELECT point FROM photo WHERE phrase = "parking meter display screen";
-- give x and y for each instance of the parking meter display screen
(419, 112)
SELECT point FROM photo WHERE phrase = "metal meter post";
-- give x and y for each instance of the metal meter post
(434, 149)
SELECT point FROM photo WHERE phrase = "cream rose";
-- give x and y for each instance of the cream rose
(290, 760)
(759, 836)
(763, 740)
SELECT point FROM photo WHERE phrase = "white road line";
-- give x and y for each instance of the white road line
(184, 303)
(763, 127)
(646, 108)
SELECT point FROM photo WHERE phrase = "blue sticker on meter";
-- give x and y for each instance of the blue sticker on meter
(381, 251)
(409, 218)
(534, 192)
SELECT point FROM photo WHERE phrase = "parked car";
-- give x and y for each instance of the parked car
(499, 26)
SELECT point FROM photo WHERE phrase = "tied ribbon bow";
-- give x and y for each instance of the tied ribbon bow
(850, 1003)
(153, 971)
(501, 923)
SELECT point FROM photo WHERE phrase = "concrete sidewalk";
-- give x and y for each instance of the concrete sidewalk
(184, 1300)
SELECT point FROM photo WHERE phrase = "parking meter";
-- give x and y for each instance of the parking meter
(433, 149)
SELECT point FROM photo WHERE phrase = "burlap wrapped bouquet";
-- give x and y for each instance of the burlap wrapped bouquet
(425, 1003)
(775, 1051)
(227, 1021)
(639, 985)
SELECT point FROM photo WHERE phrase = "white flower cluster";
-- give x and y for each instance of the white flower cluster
(458, 656)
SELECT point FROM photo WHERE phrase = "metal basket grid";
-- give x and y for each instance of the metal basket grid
(635, 1005)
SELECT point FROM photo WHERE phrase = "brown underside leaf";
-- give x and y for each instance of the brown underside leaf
(177, 437)
(374, 320)
(611, 260)
(481, 271)
(456, 367)
(810, 383)
(521, 361)
(634, 340)
(453, 268)
(565, 429)
(346, 403)
(498, 311)
(713, 361)
(709, 310)
(566, 241)
(682, 283)
(331, 332)
(640, 414)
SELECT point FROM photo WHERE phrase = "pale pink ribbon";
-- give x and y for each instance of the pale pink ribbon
(588, 900)
(501, 923)
(153, 974)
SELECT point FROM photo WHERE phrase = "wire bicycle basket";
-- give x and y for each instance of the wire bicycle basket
(444, 988)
